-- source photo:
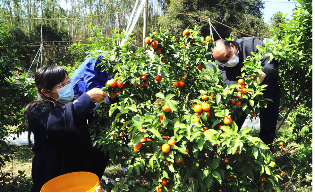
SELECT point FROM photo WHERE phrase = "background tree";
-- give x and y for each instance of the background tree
(243, 15)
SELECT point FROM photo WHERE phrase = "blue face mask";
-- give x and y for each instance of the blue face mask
(65, 94)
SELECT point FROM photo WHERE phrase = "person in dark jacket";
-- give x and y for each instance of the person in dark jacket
(62, 141)
(230, 56)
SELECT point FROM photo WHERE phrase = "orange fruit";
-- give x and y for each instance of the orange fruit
(262, 188)
(149, 140)
(233, 101)
(263, 178)
(159, 189)
(187, 150)
(171, 142)
(227, 120)
(178, 161)
(183, 77)
(238, 103)
(181, 83)
(198, 108)
(208, 39)
(186, 66)
(163, 59)
(244, 91)
(147, 40)
(204, 97)
(226, 160)
(165, 137)
(143, 76)
(186, 32)
(155, 33)
(158, 51)
(158, 78)
(196, 120)
(143, 139)
(236, 152)
(166, 163)
(240, 81)
(254, 115)
(166, 108)
(154, 45)
(211, 96)
(242, 86)
(161, 116)
(206, 107)
(205, 128)
(208, 114)
(145, 83)
(122, 135)
(138, 85)
(283, 150)
(166, 148)
(112, 83)
(239, 95)
(229, 176)
(200, 67)
(164, 182)
(137, 147)
(281, 143)
(120, 84)
(176, 84)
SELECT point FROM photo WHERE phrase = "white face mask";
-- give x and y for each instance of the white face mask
(232, 62)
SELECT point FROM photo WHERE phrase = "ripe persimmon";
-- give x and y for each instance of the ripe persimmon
(166, 108)
(159, 51)
(166, 148)
(147, 40)
(171, 142)
(240, 81)
(178, 161)
(206, 107)
(158, 78)
(198, 108)
(186, 32)
(181, 83)
(227, 120)
(112, 83)
(164, 182)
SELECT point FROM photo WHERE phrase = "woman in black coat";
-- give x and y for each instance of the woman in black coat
(61, 135)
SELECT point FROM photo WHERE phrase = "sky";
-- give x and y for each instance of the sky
(271, 7)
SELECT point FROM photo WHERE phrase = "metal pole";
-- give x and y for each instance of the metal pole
(145, 15)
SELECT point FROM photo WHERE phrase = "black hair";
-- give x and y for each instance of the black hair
(46, 78)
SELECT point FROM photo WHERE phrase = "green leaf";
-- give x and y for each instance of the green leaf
(200, 143)
(267, 170)
(208, 181)
(217, 176)
(215, 163)
(255, 152)
(218, 98)
(137, 139)
(195, 134)
(156, 133)
(137, 169)
(169, 96)
(252, 103)
(131, 107)
(171, 105)
(160, 95)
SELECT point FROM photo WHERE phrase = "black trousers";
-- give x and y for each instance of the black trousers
(268, 119)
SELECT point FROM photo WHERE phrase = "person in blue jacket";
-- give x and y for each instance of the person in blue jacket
(90, 75)
(58, 119)
(230, 57)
